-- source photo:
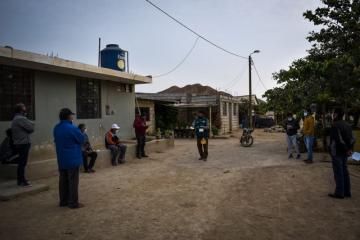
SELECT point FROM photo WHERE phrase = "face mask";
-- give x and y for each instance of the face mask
(85, 130)
(305, 114)
(289, 118)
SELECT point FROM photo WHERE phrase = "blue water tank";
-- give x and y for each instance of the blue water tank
(113, 57)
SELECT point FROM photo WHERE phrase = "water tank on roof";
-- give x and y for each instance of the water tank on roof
(114, 57)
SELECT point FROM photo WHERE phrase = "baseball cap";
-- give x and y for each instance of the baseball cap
(115, 126)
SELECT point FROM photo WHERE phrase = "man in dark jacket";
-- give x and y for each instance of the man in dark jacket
(140, 132)
(201, 125)
(292, 126)
(87, 151)
(21, 129)
(341, 144)
(68, 141)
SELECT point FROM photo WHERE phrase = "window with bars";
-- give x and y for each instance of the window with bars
(16, 86)
(224, 108)
(88, 98)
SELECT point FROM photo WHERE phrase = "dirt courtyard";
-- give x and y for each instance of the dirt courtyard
(239, 193)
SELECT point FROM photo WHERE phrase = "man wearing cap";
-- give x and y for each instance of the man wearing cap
(113, 143)
(201, 125)
(68, 141)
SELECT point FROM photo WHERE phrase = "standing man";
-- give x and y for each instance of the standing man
(140, 132)
(292, 126)
(87, 151)
(201, 125)
(309, 134)
(112, 142)
(341, 144)
(68, 141)
(21, 129)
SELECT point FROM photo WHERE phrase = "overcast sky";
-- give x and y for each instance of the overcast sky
(156, 44)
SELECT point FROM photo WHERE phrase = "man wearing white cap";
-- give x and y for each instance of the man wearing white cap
(112, 143)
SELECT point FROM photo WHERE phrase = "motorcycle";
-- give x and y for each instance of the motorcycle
(246, 139)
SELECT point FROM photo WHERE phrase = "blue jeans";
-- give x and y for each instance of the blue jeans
(341, 175)
(309, 142)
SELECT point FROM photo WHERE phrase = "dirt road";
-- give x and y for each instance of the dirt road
(240, 193)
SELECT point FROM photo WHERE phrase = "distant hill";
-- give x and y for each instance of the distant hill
(197, 89)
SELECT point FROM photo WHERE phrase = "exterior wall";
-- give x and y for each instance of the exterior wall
(55, 91)
(229, 122)
(151, 105)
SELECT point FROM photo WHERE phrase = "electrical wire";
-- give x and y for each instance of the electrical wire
(180, 63)
(258, 75)
(233, 82)
(197, 34)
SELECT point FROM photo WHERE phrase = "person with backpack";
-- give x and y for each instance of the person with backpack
(341, 145)
(21, 129)
(112, 142)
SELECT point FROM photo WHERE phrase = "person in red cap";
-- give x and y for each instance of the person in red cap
(140, 132)
(112, 142)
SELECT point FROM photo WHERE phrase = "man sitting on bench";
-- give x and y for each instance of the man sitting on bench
(113, 143)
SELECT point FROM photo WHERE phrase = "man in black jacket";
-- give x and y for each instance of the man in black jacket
(341, 145)
(292, 126)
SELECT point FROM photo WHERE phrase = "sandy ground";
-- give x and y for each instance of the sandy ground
(240, 193)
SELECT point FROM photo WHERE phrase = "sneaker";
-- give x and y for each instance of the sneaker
(201, 158)
(334, 195)
(25, 184)
(290, 156)
(308, 161)
(91, 171)
(79, 205)
(144, 155)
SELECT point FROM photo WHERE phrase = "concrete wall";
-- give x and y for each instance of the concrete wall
(229, 122)
(55, 91)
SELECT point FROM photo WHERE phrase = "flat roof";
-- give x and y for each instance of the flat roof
(19, 58)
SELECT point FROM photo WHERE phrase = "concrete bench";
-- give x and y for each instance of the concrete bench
(47, 168)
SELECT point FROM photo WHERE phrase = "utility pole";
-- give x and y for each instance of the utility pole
(250, 111)
(250, 93)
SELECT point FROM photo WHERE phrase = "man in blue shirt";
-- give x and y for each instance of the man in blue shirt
(68, 141)
(201, 125)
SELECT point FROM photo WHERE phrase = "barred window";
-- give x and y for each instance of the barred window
(16, 86)
(224, 109)
(88, 98)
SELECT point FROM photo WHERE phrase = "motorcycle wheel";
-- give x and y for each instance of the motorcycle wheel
(246, 141)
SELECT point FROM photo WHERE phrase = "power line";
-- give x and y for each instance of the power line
(180, 63)
(233, 82)
(258, 75)
(197, 34)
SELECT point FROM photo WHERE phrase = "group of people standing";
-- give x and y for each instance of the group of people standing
(73, 149)
(340, 146)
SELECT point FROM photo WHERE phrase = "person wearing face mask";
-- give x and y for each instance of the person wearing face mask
(342, 142)
(87, 151)
(21, 129)
(113, 143)
(309, 134)
(68, 142)
(292, 126)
